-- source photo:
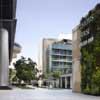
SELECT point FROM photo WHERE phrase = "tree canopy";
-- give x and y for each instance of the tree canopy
(25, 69)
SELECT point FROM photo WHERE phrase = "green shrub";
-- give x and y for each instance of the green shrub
(95, 90)
(87, 90)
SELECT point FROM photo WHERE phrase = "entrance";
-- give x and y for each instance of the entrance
(68, 82)
(63, 82)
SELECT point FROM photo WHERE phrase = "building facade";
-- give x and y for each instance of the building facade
(43, 52)
(60, 56)
(57, 56)
(60, 59)
(86, 54)
(7, 35)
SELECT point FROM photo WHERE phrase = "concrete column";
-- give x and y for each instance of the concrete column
(76, 86)
(60, 82)
(71, 82)
(4, 57)
(65, 82)
(76, 54)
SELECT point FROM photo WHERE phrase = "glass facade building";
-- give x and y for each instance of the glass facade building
(60, 56)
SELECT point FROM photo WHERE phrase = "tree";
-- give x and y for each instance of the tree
(55, 75)
(12, 74)
(25, 69)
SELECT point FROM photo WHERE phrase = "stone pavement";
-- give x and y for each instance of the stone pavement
(43, 94)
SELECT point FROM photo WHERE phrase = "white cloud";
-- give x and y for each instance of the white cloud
(65, 36)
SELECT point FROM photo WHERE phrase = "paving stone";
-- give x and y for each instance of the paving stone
(43, 94)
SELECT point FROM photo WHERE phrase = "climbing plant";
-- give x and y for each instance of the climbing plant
(90, 54)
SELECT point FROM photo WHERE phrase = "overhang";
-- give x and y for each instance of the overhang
(8, 21)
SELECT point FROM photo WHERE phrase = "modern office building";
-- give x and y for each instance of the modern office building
(60, 55)
(7, 35)
(60, 59)
(57, 56)
(43, 52)
(86, 53)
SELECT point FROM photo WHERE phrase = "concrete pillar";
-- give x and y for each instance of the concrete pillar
(76, 86)
(71, 82)
(65, 82)
(60, 82)
(4, 57)
(76, 54)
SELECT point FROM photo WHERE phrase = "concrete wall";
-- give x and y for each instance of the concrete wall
(45, 44)
(76, 70)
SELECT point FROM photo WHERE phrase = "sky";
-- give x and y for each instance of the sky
(38, 19)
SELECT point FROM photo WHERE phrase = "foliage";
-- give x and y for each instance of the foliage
(12, 74)
(46, 75)
(96, 81)
(25, 70)
(90, 57)
(54, 75)
(87, 90)
(24, 87)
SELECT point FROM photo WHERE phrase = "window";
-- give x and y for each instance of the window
(69, 52)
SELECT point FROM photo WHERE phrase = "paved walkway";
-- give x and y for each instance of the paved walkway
(43, 94)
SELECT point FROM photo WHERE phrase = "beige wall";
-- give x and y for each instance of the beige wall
(76, 72)
(45, 44)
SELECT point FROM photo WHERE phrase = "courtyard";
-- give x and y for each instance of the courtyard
(43, 94)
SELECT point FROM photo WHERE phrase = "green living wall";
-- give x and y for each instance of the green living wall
(90, 53)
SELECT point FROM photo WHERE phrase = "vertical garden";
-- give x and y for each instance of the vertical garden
(90, 52)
